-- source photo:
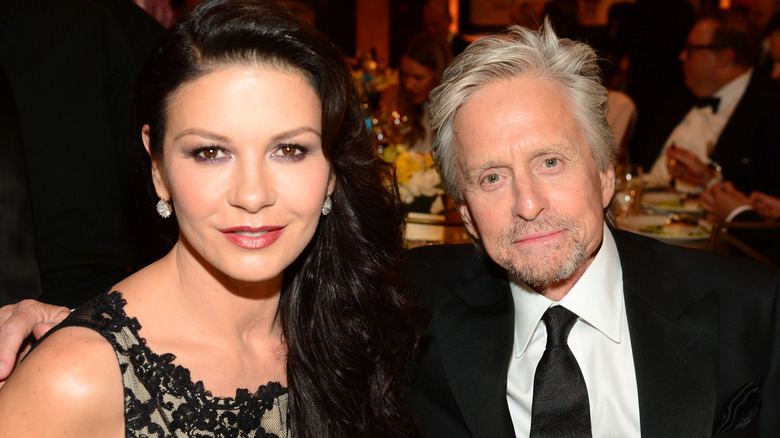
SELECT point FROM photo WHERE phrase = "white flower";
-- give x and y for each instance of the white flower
(406, 196)
(424, 183)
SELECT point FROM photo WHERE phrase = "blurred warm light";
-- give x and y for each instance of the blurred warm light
(454, 13)
(725, 4)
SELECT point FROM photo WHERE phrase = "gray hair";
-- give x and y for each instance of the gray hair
(521, 52)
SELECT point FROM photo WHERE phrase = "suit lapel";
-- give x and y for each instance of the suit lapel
(674, 339)
(733, 135)
(475, 326)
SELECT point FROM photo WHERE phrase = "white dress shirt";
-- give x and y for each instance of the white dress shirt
(700, 129)
(599, 340)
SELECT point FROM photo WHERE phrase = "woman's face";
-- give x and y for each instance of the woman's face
(244, 167)
(417, 79)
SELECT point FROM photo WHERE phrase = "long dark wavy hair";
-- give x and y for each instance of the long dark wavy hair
(348, 328)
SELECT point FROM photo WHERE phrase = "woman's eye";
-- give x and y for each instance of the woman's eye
(290, 151)
(210, 153)
(551, 162)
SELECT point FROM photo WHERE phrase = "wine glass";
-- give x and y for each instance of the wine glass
(628, 191)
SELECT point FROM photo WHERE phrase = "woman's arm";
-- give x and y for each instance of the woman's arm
(70, 385)
(17, 322)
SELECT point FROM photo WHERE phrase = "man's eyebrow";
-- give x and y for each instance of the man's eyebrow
(473, 172)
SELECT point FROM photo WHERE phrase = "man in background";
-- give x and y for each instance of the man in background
(727, 128)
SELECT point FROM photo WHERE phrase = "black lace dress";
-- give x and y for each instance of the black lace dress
(160, 398)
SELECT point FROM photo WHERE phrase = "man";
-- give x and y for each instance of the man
(752, 220)
(729, 123)
(71, 73)
(664, 348)
(670, 341)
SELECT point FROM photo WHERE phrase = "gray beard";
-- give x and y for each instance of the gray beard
(542, 273)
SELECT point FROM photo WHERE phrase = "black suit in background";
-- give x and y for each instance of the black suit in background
(19, 274)
(748, 149)
(704, 333)
(72, 75)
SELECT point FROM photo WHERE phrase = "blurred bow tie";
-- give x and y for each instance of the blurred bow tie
(703, 102)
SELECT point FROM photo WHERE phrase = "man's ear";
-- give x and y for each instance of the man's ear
(607, 185)
(465, 214)
(158, 179)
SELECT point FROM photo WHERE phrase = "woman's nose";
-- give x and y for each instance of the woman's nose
(252, 188)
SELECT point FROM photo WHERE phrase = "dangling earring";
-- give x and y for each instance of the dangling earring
(164, 208)
(327, 206)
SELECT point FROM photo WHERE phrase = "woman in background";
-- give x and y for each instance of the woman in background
(422, 65)
(277, 312)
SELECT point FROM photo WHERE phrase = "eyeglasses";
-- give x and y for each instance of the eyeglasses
(694, 47)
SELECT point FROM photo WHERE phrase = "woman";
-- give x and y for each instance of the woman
(283, 275)
(422, 65)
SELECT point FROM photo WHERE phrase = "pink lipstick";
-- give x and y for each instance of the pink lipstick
(253, 237)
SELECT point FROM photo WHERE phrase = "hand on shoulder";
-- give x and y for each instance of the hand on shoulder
(19, 321)
(70, 385)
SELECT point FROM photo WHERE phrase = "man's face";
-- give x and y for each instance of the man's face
(533, 193)
(700, 61)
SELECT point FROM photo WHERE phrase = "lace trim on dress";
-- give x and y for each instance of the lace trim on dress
(161, 400)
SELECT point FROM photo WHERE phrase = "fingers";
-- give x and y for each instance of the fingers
(40, 329)
(17, 323)
(685, 165)
(12, 335)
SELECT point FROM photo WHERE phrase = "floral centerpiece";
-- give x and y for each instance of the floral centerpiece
(419, 183)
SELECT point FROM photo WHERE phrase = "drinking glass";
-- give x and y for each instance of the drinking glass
(627, 200)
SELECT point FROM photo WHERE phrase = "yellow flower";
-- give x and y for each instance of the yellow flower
(405, 166)
(429, 163)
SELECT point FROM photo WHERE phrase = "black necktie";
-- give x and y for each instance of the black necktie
(560, 405)
(703, 102)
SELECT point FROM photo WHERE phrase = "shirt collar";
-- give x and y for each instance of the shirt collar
(731, 93)
(597, 298)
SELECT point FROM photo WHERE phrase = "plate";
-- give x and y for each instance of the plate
(657, 228)
(671, 202)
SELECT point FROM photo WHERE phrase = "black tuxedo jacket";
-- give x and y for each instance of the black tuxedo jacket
(748, 149)
(704, 332)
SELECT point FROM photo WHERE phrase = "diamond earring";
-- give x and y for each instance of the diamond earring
(327, 206)
(164, 208)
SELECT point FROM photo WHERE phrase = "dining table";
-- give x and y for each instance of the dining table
(665, 214)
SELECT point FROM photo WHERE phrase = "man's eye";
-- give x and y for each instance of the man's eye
(551, 162)
(492, 178)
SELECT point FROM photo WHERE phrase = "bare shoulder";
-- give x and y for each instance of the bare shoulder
(70, 385)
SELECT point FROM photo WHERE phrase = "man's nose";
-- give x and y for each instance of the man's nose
(530, 199)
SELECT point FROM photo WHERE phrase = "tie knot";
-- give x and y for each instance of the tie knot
(559, 321)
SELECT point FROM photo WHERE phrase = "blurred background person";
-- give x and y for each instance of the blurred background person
(725, 204)
(653, 34)
(728, 128)
(19, 274)
(422, 65)
(71, 72)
